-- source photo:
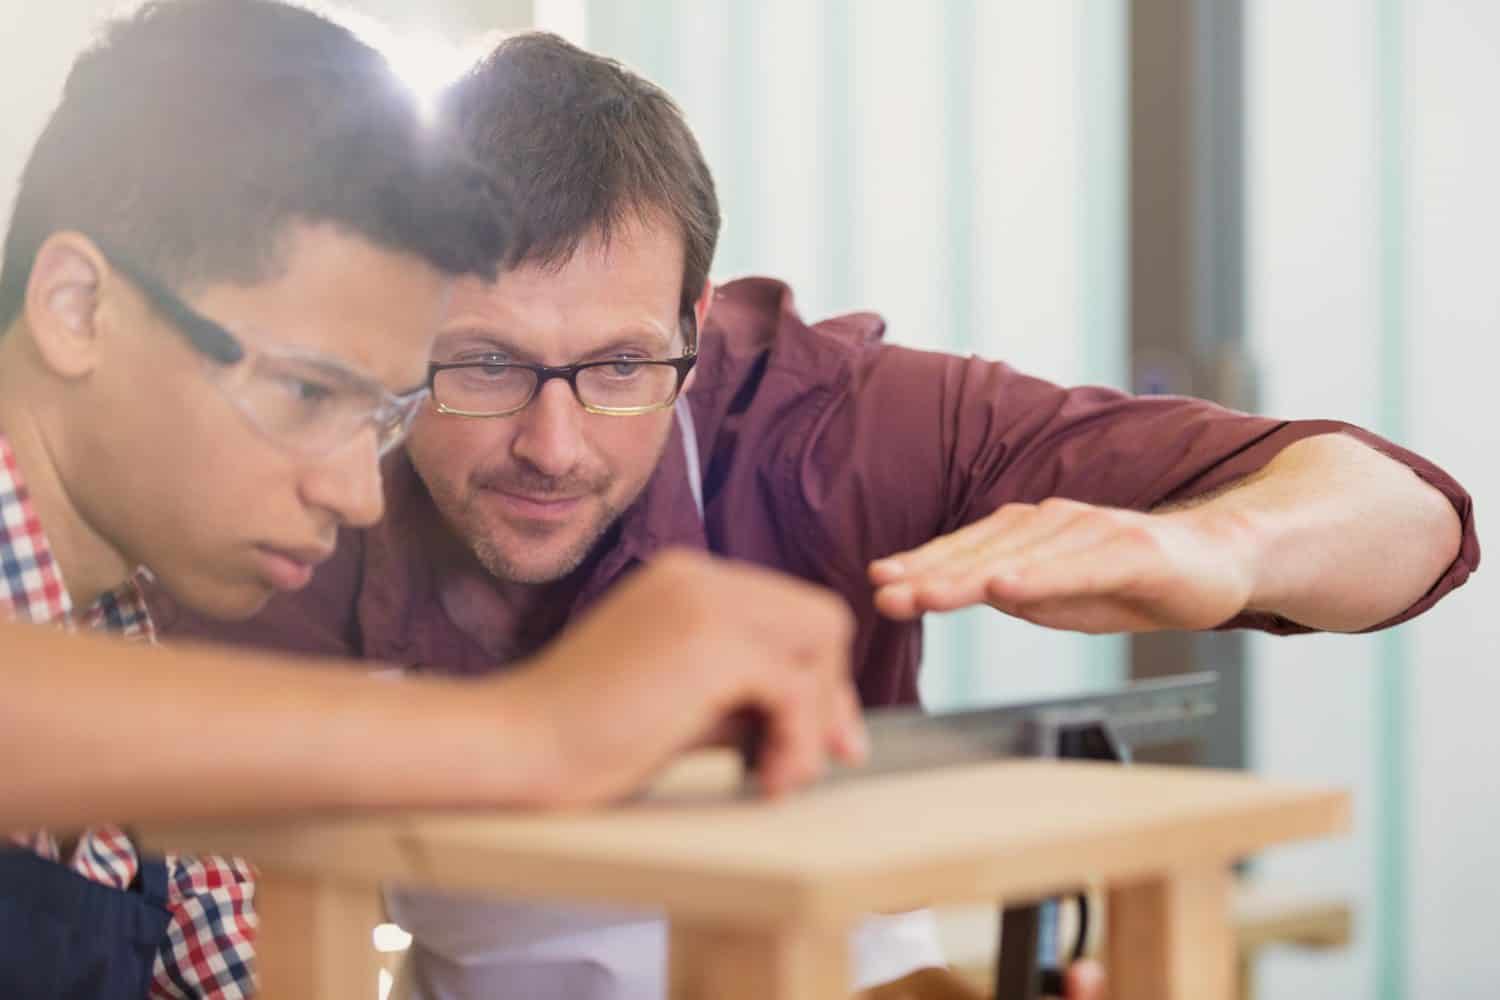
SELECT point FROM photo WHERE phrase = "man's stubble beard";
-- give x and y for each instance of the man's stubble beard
(499, 565)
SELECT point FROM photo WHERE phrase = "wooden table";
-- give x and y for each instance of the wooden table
(761, 895)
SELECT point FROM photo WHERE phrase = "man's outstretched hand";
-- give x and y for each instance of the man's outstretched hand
(1076, 566)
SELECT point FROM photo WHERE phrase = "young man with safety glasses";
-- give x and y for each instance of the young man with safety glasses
(228, 255)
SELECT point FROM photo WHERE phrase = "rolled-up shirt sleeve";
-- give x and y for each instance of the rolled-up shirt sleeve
(917, 444)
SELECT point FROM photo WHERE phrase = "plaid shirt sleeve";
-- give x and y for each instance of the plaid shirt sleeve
(210, 945)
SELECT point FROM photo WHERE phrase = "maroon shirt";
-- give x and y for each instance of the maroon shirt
(822, 449)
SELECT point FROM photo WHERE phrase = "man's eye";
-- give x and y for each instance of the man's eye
(482, 358)
(627, 362)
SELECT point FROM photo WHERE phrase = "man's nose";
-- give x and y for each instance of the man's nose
(550, 436)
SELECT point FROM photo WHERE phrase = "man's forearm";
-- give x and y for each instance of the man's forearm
(95, 729)
(1339, 537)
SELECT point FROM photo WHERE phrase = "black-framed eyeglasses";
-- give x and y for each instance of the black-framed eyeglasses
(623, 386)
(210, 338)
(299, 399)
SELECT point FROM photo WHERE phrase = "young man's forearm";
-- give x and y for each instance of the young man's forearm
(102, 730)
(153, 734)
(1340, 537)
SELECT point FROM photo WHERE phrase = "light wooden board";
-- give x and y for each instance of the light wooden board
(1006, 829)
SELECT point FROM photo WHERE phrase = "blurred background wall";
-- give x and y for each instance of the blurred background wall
(983, 173)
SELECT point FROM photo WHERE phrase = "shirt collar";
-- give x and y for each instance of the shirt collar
(31, 583)
(664, 515)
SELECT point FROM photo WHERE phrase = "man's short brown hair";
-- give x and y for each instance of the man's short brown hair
(584, 143)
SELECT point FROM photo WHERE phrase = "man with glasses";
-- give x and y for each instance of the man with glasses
(228, 253)
(600, 400)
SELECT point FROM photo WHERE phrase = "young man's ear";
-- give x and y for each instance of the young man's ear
(62, 303)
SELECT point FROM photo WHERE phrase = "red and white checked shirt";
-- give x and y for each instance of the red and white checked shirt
(210, 942)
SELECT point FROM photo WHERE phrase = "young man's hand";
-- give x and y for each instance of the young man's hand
(1075, 566)
(667, 656)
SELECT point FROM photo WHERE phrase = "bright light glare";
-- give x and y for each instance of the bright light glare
(389, 937)
(425, 63)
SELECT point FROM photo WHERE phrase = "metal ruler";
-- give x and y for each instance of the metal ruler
(1145, 713)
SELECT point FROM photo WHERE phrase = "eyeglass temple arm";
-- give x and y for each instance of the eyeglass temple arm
(203, 333)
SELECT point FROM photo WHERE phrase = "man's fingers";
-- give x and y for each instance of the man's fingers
(1110, 568)
(965, 582)
(896, 601)
(1089, 615)
(1096, 529)
(1056, 519)
(904, 600)
(904, 582)
(1007, 521)
(1076, 538)
(903, 565)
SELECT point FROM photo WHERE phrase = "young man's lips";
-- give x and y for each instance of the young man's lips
(290, 569)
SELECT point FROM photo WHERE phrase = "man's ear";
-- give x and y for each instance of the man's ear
(700, 308)
(700, 316)
(62, 303)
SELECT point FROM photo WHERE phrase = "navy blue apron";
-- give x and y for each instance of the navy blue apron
(63, 937)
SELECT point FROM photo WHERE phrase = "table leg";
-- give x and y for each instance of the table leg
(715, 962)
(315, 939)
(1170, 938)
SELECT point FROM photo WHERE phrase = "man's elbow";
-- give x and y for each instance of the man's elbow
(1437, 532)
